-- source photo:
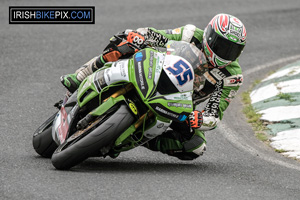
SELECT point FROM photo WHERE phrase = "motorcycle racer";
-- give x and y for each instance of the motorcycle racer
(222, 41)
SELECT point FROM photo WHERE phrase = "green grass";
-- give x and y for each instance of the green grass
(280, 150)
(262, 136)
(292, 72)
(286, 97)
(253, 117)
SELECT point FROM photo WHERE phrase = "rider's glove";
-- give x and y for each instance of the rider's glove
(118, 48)
(114, 52)
(136, 38)
(196, 119)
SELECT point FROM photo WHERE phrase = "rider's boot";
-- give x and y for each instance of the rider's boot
(72, 81)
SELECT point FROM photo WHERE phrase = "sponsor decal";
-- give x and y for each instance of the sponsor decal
(174, 104)
(99, 80)
(158, 65)
(151, 58)
(156, 39)
(166, 112)
(182, 97)
(236, 31)
(150, 73)
(51, 15)
(133, 108)
(140, 73)
(63, 126)
(150, 70)
(218, 74)
(212, 107)
(236, 27)
(170, 104)
(187, 105)
(163, 111)
(236, 80)
(123, 72)
(139, 56)
(176, 31)
(179, 96)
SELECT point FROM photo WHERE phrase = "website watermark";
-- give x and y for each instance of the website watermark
(51, 15)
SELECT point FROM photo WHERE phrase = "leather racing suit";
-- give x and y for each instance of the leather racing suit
(220, 87)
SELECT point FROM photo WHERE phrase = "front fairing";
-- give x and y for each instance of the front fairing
(144, 71)
(89, 88)
(164, 80)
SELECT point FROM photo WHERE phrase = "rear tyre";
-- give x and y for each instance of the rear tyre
(42, 140)
(74, 151)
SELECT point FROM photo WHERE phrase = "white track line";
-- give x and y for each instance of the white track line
(232, 135)
(236, 141)
(271, 64)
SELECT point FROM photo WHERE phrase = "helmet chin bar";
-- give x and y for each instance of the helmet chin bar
(222, 63)
(213, 59)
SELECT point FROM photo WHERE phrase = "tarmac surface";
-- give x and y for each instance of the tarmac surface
(235, 166)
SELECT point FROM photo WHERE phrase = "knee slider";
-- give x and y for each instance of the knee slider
(196, 145)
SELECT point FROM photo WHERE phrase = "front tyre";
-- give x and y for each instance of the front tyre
(73, 152)
(42, 140)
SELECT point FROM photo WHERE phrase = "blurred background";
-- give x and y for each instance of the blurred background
(33, 57)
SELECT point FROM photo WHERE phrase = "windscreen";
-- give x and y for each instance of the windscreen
(189, 52)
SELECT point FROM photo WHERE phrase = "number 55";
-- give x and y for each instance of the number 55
(182, 71)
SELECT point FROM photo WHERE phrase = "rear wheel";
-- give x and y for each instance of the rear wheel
(102, 134)
(42, 140)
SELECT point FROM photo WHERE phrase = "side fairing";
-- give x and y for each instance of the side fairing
(176, 106)
(117, 72)
(93, 85)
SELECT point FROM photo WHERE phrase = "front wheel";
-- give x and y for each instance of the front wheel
(104, 133)
(42, 140)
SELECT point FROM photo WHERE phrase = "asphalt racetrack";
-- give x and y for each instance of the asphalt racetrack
(235, 166)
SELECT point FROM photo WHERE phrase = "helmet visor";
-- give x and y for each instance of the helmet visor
(223, 47)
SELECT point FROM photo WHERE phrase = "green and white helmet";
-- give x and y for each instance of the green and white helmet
(224, 40)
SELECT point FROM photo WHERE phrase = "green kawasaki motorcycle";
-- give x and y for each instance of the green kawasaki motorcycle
(122, 105)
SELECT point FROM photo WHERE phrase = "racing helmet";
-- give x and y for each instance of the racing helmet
(224, 39)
